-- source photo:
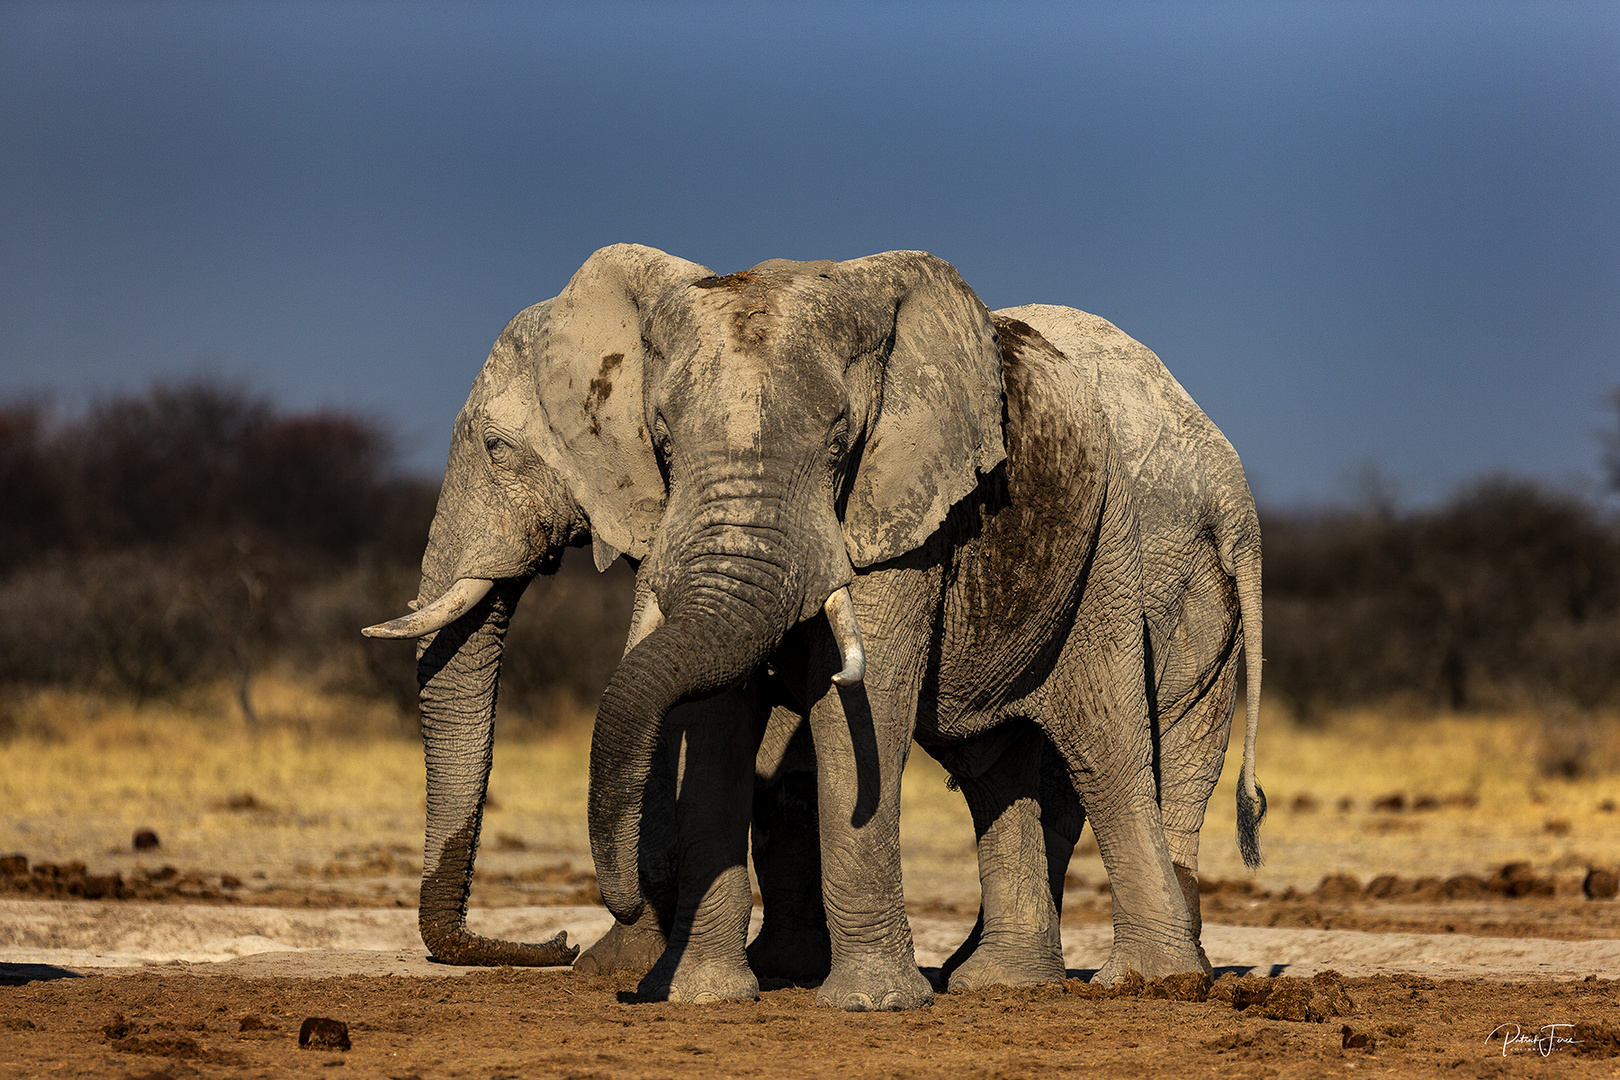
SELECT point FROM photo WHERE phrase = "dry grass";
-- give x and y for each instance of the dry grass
(78, 775)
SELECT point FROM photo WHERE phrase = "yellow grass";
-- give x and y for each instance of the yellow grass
(79, 774)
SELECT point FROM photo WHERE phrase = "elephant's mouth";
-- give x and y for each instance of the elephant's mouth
(840, 610)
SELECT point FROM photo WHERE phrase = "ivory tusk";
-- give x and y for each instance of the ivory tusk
(840, 608)
(647, 619)
(435, 616)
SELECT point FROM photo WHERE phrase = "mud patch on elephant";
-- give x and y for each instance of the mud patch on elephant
(734, 282)
(601, 388)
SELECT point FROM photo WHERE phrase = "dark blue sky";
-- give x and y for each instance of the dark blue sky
(1358, 233)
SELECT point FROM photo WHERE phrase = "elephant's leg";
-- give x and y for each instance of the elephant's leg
(1062, 819)
(637, 947)
(1106, 745)
(792, 942)
(706, 958)
(874, 964)
(1019, 941)
(1193, 751)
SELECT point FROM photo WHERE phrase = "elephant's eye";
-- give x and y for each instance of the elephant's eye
(497, 448)
(838, 438)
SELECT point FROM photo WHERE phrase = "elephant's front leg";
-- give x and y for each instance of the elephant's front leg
(705, 960)
(859, 762)
(1018, 940)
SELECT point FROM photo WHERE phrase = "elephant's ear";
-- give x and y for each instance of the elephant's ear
(589, 361)
(939, 424)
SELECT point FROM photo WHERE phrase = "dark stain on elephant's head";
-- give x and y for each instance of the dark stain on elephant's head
(601, 388)
(734, 282)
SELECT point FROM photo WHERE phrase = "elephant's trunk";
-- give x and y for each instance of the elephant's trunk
(458, 670)
(693, 653)
(730, 586)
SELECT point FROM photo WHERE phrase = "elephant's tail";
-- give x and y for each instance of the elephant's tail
(1244, 566)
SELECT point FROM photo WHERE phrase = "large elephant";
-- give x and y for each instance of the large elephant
(800, 437)
(1200, 538)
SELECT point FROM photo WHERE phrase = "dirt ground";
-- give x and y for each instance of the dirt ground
(508, 1023)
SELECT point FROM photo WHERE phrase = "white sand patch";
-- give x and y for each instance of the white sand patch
(111, 937)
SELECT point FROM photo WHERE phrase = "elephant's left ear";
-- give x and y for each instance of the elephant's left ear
(939, 425)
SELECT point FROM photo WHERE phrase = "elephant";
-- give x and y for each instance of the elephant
(836, 475)
(1200, 538)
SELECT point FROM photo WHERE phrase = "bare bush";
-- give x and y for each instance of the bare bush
(1509, 593)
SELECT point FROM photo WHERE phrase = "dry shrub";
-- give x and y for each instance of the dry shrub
(1505, 595)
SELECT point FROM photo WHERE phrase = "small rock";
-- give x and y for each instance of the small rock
(1557, 827)
(320, 1033)
(14, 865)
(1601, 884)
(146, 840)
(1466, 887)
(1393, 803)
(1383, 886)
(230, 881)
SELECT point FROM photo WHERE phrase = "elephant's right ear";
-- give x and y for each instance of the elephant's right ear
(589, 360)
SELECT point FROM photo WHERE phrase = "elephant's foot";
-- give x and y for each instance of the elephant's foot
(1187, 878)
(1003, 961)
(800, 954)
(633, 948)
(875, 984)
(1151, 961)
(698, 981)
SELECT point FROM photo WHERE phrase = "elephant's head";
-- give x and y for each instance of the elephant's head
(792, 423)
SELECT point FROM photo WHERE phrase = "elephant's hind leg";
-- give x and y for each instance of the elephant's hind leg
(793, 941)
(1193, 751)
(1019, 942)
(1098, 723)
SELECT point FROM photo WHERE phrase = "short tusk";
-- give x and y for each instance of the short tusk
(647, 619)
(846, 628)
(435, 616)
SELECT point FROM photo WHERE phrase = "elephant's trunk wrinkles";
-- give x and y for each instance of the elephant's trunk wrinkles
(710, 640)
(458, 671)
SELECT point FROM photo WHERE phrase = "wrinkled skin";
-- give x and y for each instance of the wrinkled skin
(759, 443)
(1201, 576)
(831, 424)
